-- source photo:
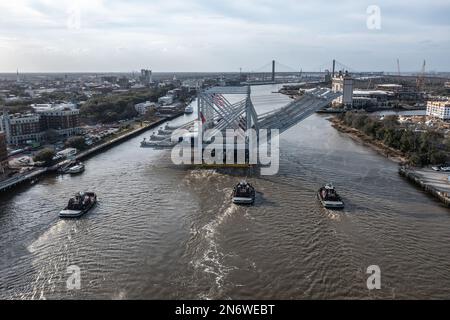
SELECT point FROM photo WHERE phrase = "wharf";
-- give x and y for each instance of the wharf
(435, 183)
(29, 176)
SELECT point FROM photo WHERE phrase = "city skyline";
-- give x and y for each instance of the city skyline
(176, 36)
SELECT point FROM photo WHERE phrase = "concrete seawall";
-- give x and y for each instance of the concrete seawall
(13, 182)
(431, 182)
(106, 145)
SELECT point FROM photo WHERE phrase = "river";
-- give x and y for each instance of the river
(166, 232)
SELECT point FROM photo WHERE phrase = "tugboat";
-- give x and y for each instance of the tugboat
(243, 193)
(78, 168)
(329, 198)
(81, 203)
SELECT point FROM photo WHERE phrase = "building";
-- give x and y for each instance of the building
(143, 107)
(175, 93)
(63, 119)
(110, 79)
(166, 100)
(192, 84)
(21, 128)
(373, 98)
(401, 92)
(3, 152)
(390, 87)
(124, 83)
(439, 108)
(146, 77)
(343, 83)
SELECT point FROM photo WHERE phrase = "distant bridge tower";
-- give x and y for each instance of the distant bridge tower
(334, 68)
(273, 70)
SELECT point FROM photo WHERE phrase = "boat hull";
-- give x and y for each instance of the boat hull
(75, 171)
(243, 200)
(331, 204)
(72, 214)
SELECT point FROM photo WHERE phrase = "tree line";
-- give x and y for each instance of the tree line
(111, 108)
(422, 148)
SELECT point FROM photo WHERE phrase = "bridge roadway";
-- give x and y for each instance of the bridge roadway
(232, 116)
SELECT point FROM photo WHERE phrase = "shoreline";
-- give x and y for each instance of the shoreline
(428, 182)
(35, 174)
(109, 144)
(434, 184)
(390, 153)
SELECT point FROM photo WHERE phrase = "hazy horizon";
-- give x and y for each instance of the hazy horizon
(97, 36)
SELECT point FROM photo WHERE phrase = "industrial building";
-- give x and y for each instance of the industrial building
(343, 83)
(373, 98)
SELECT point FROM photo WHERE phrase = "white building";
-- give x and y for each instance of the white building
(166, 100)
(439, 108)
(343, 83)
(192, 84)
(143, 107)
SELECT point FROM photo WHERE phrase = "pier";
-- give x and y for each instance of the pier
(35, 173)
(434, 183)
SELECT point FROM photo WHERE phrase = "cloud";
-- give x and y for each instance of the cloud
(204, 35)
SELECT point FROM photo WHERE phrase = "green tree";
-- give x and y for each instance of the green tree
(77, 142)
(45, 155)
(437, 157)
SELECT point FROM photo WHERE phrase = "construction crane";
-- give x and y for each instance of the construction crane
(420, 81)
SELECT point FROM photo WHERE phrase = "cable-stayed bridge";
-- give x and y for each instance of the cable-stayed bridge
(223, 108)
(275, 72)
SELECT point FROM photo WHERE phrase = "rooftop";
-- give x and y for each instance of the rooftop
(370, 92)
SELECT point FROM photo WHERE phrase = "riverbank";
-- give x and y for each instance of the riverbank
(131, 134)
(34, 174)
(434, 183)
(390, 153)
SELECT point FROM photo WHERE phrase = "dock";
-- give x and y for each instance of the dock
(15, 181)
(436, 183)
(35, 173)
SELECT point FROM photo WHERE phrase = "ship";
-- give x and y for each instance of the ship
(329, 198)
(243, 193)
(78, 205)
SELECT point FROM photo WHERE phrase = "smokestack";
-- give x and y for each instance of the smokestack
(273, 70)
(334, 67)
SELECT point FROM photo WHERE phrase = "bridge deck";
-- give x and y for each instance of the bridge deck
(229, 116)
(297, 111)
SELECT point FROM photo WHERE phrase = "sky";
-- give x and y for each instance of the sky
(225, 35)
